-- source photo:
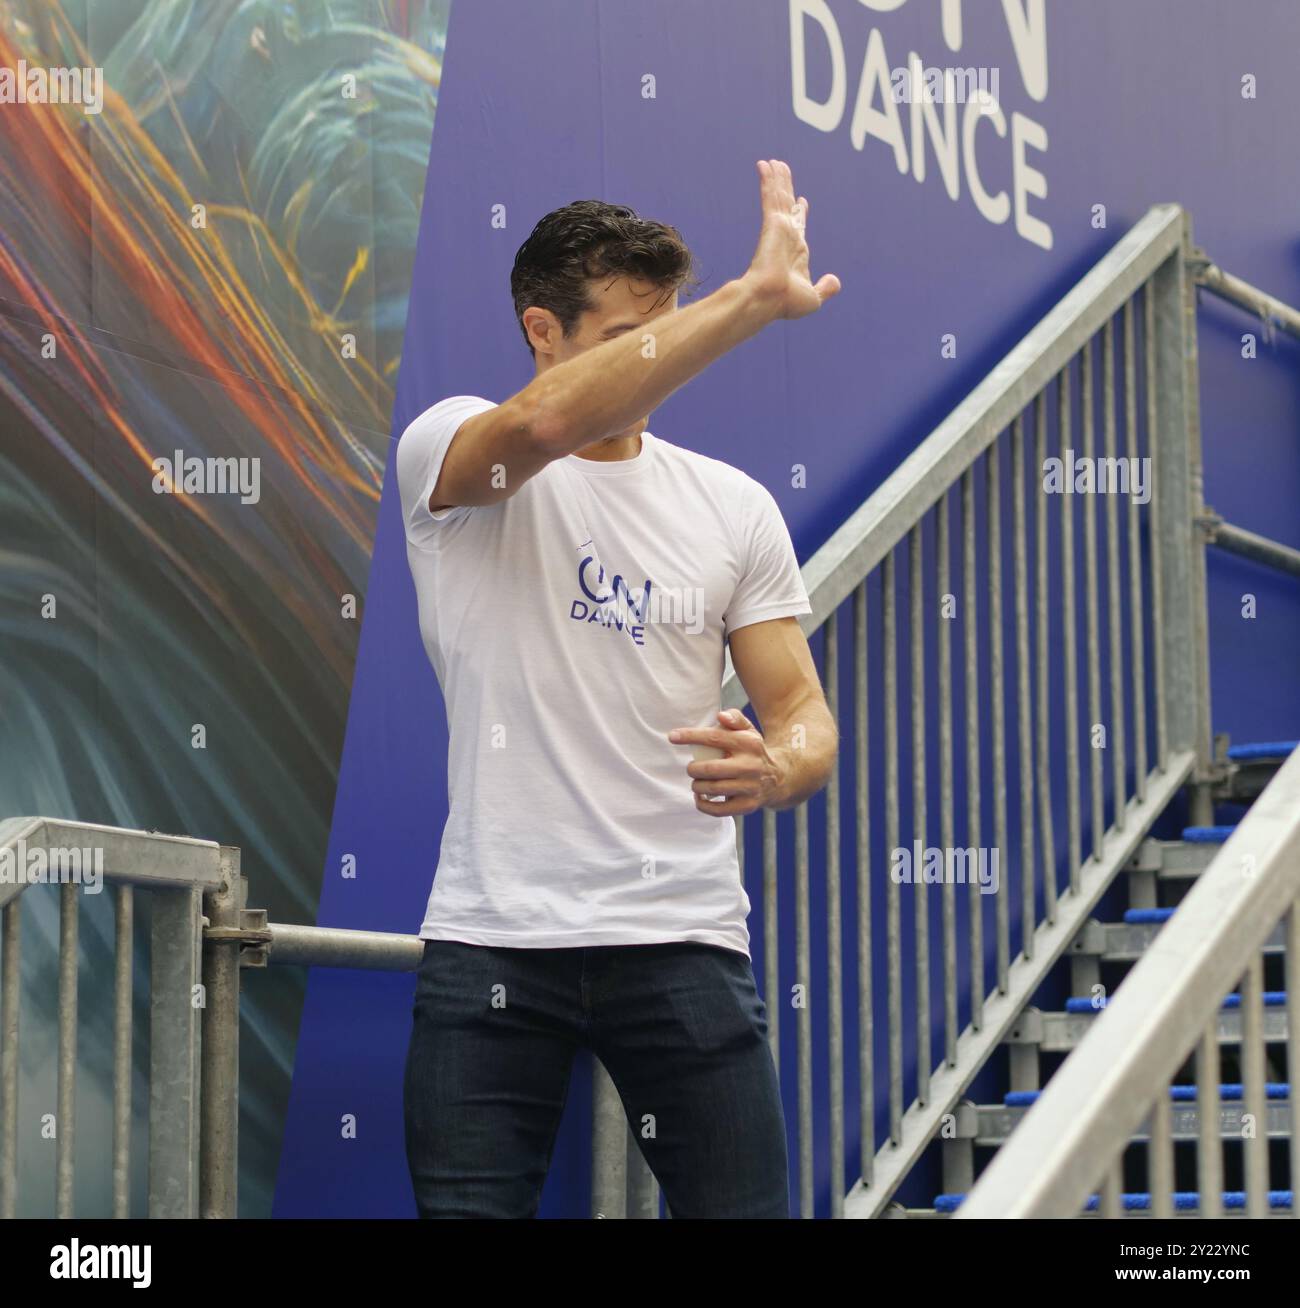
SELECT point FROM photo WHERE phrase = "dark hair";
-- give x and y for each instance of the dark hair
(586, 240)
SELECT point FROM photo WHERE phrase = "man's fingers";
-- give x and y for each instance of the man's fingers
(729, 786)
(740, 765)
(726, 807)
(770, 185)
(718, 737)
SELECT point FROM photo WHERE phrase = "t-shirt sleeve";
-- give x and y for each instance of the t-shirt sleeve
(420, 451)
(770, 584)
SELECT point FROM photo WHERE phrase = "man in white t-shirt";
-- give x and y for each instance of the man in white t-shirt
(578, 581)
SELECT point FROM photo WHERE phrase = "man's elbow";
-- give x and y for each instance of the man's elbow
(540, 425)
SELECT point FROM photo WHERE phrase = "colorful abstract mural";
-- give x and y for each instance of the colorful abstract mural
(203, 288)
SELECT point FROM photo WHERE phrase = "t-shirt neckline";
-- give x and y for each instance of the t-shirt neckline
(614, 467)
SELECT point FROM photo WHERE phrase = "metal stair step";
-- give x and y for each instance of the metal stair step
(1172, 859)
(1126, 942)
(1228, 1091)
(1185, 1201)
(1060, 1032)
(1249, 768)
(991, 1124)
(1282, 1213)
(1271, 999)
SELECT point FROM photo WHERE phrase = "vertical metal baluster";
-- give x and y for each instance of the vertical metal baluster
(946, 835)
(69, 907)
(1044, 682)
(608, 1146)
(1112, 1188)
(1209, 1146)
(893, 910)
(999, 711)
(1116, 742)
(218, 1047)
(973, 835)
(1253, 1096)
(123, 964)
(1090, 579)
(862, 803)
(920, 891)
(1153, 526)
(834, 928)
(1024, 723)
(1160, 1156)
(1136, 613)
(771, 939)
(642, 1188)
(10, 980)
(803, 1023)
(1291, 928)
(1070, 637)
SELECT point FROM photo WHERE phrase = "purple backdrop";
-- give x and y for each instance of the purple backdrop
(543, 104)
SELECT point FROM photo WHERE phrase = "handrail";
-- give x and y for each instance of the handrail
(1093, 1104)
(1250, 545)
(1271, 311)
(373, 951)
(145, 858)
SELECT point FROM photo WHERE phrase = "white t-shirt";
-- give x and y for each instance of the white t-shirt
(572, 626)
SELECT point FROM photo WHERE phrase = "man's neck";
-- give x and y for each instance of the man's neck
(611, 449)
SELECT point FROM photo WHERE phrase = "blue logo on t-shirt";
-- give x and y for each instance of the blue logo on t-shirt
(612, 605)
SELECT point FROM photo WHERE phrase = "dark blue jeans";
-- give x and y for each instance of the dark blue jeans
(679, 1027)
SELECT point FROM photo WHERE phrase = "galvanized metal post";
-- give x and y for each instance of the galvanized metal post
(642, 1188)
(1182, 554)
(174, 1053)
(219, 1102)
(10, 979)
(608, 1146)
(69, 915)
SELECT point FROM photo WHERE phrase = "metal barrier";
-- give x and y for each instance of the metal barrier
(1168, 1008)
(185, 879)
(201, 936)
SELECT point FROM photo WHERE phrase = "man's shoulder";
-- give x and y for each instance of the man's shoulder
(707, 468)
(452, 408)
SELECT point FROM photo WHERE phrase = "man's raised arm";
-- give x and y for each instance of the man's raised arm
(608, 388)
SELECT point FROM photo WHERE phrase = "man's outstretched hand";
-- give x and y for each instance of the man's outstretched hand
(779, 270)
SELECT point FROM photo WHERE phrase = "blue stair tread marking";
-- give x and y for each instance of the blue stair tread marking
(1272, 999)
(1184, 1200)
(1269, 749)
(1228, 1092)
(1146, 916)
(1207, 835)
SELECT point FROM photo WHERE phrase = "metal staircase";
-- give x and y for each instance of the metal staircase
(1158, 878)
(1074, 713)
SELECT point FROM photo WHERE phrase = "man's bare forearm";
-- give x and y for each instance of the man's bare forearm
(805, 747)
(606, 389)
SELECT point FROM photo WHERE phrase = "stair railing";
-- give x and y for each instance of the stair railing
(1116, 358)
(1170, 1007)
